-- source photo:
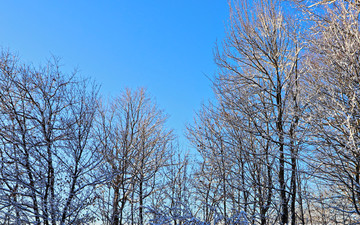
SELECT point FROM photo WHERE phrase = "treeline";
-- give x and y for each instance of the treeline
(279, 144)
(281, 141)
(68, 158)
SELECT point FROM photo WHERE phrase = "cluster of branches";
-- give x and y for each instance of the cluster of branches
(46, 150)
(68, 158)
(281, 143)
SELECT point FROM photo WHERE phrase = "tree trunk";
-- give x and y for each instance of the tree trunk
(115, 215)
(141, 202)
(284, 217)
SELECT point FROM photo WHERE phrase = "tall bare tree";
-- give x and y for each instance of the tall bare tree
(258, 93)
(134, 143)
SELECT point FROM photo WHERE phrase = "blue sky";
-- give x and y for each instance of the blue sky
(163, 45)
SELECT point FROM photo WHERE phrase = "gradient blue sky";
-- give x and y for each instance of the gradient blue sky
(163, 45)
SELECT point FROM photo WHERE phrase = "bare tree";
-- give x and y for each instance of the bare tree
(334, 116)
(174, 196)
(79, 159)
(237, 168)
(259, 110)
(134, 143)
(45, 164)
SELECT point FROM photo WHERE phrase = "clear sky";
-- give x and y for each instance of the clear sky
(163, 45)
